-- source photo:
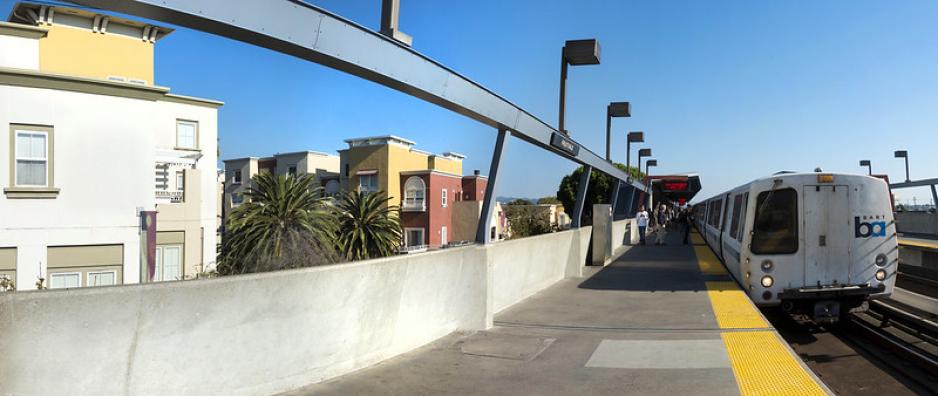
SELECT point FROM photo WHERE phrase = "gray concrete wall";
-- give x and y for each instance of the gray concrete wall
(624, 232)
(265, 333)
(526, 266)
(917, 222)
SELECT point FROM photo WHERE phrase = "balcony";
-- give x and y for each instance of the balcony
(414, 205)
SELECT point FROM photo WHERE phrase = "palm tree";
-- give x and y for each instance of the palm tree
(284, 223)
(366, 228)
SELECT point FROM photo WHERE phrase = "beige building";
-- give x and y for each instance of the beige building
(239, 171)
(96, 153)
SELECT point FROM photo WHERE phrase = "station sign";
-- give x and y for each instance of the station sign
(564, 143)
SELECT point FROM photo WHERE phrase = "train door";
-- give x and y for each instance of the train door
(827, 238)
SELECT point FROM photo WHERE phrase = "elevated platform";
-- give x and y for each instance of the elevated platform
(923, 243)
(658, 320)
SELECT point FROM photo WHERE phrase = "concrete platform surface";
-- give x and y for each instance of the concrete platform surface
(647, 324)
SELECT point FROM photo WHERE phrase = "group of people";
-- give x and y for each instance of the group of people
(662, 219)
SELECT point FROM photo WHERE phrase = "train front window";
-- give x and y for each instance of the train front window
(775, 229)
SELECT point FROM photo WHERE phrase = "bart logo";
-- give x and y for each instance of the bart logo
(863, 229)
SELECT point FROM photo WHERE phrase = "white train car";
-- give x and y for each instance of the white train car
(820, 244)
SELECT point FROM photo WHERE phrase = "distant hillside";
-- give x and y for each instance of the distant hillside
(505, 200)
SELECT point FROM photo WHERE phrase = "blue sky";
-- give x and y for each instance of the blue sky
(731, 89)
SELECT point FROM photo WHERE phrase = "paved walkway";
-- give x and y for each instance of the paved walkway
(660, 320)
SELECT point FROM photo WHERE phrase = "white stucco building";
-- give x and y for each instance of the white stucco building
(89, 148)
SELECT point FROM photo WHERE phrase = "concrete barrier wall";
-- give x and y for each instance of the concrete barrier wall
(526, 266)
(266, 333)
(622, 231)
(917, 222)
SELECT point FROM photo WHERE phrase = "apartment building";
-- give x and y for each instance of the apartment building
(110, 178)
(239, 171)
(438, 205)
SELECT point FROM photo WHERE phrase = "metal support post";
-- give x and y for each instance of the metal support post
(934, 196)
(563, 89)
(630, 210)
(581, 195)
(609, 135)
(614, 197)
(907, 179)
(488, 201)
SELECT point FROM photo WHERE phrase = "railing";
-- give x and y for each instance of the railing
(413, 249)
(414, 207)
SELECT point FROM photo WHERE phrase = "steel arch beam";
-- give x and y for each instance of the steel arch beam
(305, 31)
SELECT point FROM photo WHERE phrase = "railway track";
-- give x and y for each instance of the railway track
(917, 279)
(898, 337)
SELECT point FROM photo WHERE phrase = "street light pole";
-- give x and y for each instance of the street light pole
(904, 154)
(633, 137)
(650, 163)
(576, 53)
(645, 152)
(867, 164)
(615, 109)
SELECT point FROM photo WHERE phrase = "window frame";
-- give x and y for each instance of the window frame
(371, 189)
(236, 178)
(444, 199)
(15, 190)
(744, 211)
(423, 236)
(417, 202)
(161, 270)
(737, 210)
(195, 137)
(795, 235)
(180, 181)
(51, 274)
(88, 277)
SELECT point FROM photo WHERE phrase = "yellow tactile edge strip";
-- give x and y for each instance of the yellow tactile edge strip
(761, 363)
(763, 366)
(927, 245)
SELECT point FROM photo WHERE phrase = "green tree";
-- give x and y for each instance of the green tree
(366, 228)
(527, 220)
(548, 201)
(283, 224)
(519, 201)
(600, 187)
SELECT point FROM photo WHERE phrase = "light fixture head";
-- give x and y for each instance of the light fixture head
(636, 137)
(619, 109)
(901, 153)
(645, 152)
(864, 162)
(581, 52)
(651, 162)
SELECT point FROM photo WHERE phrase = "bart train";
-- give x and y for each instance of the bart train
(819, 244)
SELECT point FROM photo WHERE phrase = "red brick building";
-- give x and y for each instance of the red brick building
(430, 206)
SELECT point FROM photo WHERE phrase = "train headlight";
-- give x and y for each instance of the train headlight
(767, 266)
(881, 260)
(767, 281)
(880, 275)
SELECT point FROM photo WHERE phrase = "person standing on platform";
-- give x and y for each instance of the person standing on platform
(642, 219)
(662, 218)
(685, 221)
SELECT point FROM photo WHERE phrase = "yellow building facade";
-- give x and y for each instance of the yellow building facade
(375, 164)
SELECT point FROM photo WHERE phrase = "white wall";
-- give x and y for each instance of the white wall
(19, 52)
(525, 266)
(103, 161)
(265, 333)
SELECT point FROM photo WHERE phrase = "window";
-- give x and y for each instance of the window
(346, 170)
(737, 206)
(64, 280)
(102, 278)
(180, 181)
(291, 170)
(168, 263)
(414, 193)
(368, 183)
(742, 217)
(443, 198)
(775, 228)
(237, 177)
(187, 135)
(32, 158)
(443, 236)
(237, 199)
(715, 212)
(413, 237)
